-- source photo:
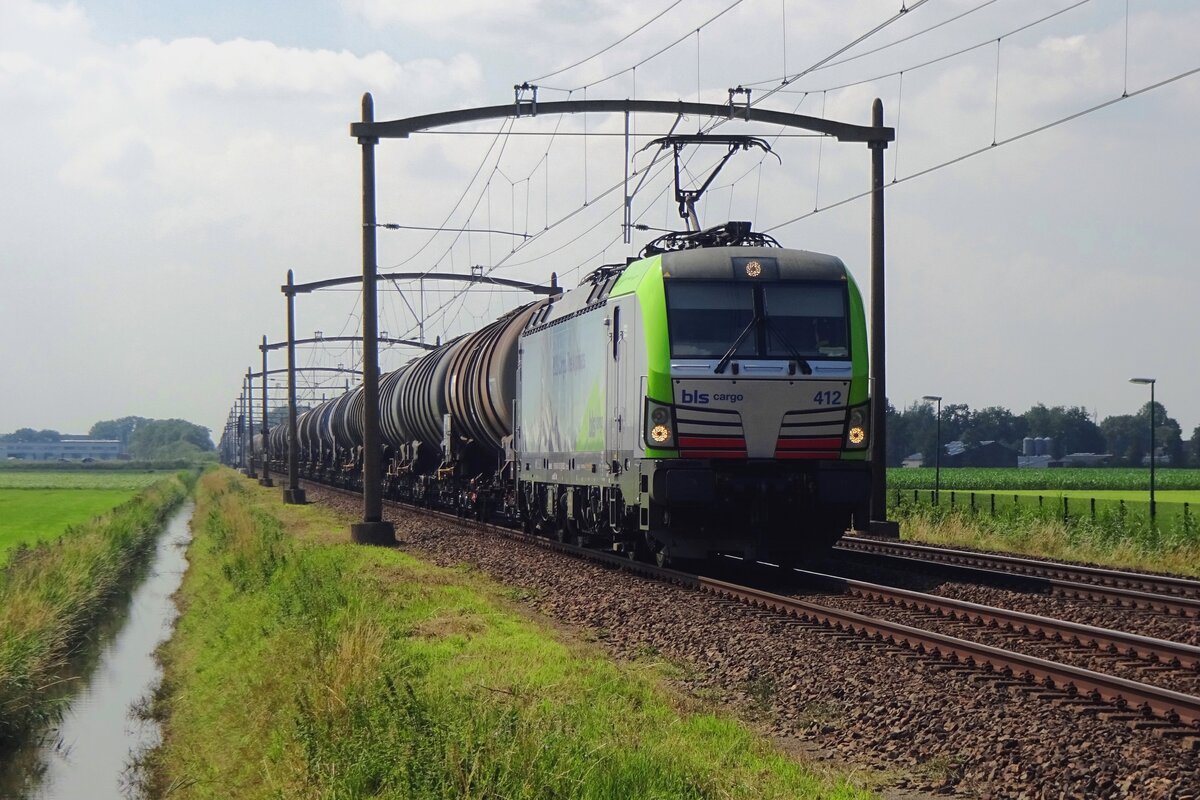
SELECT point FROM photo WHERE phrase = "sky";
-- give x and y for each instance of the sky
(164, 164)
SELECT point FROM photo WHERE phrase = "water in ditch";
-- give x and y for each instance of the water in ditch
(89, 754)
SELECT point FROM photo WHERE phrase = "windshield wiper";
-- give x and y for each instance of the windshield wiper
(805, 368)
(725, 359)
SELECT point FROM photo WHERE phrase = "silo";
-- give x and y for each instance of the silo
(1027, 446)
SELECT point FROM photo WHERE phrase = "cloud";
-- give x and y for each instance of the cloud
(440, 15)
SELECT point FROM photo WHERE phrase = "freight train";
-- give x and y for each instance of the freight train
(710, 397)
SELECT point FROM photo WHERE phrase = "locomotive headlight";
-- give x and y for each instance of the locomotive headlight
(857, 427)
(659, 430)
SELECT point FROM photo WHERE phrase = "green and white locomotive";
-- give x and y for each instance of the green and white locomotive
(710, 397)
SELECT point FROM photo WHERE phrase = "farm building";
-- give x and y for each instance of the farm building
(984, 454)
(959, 454)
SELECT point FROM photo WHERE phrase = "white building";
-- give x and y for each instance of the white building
(66, 449)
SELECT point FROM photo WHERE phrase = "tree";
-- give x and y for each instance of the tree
(169, 439)
(1123, 435)
(1168, 435)
(1071, 428)
(1194, 448)
(30, 435)
(1128, 436)
(956, 418)
(120, 429)
(994, 424)
(910, 431)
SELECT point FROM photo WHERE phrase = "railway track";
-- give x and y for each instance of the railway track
(1168, 594)
(1170, 713)
(1151, 658)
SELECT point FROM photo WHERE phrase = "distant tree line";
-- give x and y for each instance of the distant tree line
(1126, 436)
(144, 439)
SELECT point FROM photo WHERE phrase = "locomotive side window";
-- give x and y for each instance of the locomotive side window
(616, 330)
(706, 317)
(806, 319)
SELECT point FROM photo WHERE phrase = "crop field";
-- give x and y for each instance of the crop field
(79, 479)
(39, 505)
(1090, 480)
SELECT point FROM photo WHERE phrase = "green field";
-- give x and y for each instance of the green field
(28, 516)
(1161, 496)
(38, 505)
(79, 479)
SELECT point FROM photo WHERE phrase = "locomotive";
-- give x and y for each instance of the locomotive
(709, 397)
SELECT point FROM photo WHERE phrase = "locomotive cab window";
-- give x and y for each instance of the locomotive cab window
(806, 319)
(775, 319)
(706, 317)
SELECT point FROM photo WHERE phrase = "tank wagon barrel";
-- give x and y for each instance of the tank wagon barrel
(482, 379)
(421, 395)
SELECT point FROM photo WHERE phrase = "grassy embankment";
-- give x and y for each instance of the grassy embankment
(304, 666)
(52, 593)
(1105, 519)
(39, 505)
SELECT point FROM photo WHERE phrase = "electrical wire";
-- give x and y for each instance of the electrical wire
(997, 144)
(985, 43)
(598, 53)
(673, 44)
(881, 48)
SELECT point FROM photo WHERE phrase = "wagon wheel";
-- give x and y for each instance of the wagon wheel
(639, 549)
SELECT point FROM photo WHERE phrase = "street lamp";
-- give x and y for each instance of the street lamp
(937, 459)
(1150, 381)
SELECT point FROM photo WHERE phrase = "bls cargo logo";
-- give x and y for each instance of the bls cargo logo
(704, 398)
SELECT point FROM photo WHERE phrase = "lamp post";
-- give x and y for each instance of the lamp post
(1150, 381)
(937, 458)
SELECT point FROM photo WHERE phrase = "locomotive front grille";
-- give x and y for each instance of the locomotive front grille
(710, 433)
(815, 433)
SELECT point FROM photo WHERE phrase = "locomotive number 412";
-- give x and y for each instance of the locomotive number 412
(831, 397)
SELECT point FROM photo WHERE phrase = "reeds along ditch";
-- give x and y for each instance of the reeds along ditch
(53, 594)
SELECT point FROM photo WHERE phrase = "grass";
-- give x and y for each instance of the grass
(1161, 496)
(1115, 538)
(307, 667)
(1101, 516)
(52, 593)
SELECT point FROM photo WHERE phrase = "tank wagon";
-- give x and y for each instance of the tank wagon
(688, 403)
